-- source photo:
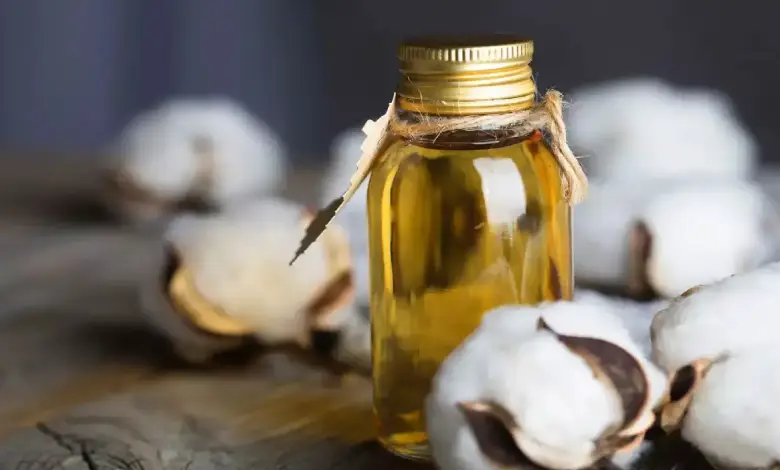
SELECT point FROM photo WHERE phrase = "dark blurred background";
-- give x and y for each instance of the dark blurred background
(73, 72)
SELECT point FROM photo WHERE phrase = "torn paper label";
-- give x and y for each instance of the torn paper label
(376, 132)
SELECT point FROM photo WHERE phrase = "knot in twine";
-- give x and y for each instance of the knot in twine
(547, 116)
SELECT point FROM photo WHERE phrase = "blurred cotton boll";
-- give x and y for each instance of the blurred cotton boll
(228, 276)
(661, 237)
(208, 152)
(345, 153)
(644, 127)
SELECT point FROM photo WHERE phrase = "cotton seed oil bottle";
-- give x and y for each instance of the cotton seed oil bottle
(459, 222)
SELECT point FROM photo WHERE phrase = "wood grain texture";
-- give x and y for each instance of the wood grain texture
(85, 385)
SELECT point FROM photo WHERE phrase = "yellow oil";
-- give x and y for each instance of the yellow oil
(454, 231)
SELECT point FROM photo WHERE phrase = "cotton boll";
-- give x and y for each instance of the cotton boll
(700, 232)
(727, 317)
(345, 153)
(586, 316)
(206, 150)
(662, 236)
(231, 276)
(590, 409)
(556, 408)
(731, 412)
(646, 128)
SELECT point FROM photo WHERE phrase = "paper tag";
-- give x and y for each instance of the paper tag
(375, 132)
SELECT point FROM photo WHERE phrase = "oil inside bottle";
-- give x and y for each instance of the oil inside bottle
(456, 229)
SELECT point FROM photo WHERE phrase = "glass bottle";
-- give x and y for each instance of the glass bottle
(459, 222)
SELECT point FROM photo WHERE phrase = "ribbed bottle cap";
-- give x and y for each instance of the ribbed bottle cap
(466, 76)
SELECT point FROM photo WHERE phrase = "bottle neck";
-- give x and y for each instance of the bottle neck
(456, 139)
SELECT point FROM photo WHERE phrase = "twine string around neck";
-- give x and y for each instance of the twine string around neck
(547, 116)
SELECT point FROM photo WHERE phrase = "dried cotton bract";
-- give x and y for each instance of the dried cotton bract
(227, 277)
(728, 409)
(562, 386)
(719, 343)
(205, 152)
(644, 127)
(345, 153)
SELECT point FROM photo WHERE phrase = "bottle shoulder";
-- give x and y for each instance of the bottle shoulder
(531, 156)
(512, 164)
(533, 146)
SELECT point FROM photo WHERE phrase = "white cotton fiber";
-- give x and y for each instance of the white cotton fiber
(703, 231)
(644, 127)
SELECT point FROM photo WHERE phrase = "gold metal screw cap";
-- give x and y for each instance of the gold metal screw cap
(460, 76)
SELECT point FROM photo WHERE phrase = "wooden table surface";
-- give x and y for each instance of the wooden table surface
(83, 385)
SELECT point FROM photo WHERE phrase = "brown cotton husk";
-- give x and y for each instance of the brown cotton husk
(682, 387)
(640, 245)
(547, 117)
(624, 374)
(493, 427)
(500, 438)
(640, 251)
